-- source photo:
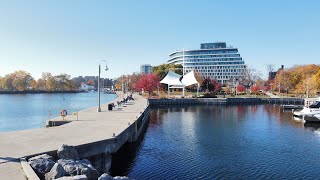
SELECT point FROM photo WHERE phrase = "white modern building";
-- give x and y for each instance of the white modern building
(146, 69)
(214, 60)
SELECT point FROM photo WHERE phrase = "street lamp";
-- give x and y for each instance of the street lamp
(106, 69)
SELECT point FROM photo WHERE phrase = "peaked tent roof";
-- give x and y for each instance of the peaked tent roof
(189, 79)
(172, 79)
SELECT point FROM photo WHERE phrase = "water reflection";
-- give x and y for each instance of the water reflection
(213, 142)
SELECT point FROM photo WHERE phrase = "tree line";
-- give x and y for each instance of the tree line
(300, 79)
(23, 81)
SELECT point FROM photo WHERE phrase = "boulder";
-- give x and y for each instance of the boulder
(80, 167)
(78, 177)
(68, 152)
(41, 165)
(42, 156)
(105, 176)
(56, 171)
(121, 178)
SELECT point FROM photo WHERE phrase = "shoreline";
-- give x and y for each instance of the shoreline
(38, 92)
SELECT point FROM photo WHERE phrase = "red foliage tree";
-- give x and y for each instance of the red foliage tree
(266, 88)
(241, 88)
(211, 84)
(148, 82)
(255, 88)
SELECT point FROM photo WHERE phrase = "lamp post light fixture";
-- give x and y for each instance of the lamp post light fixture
(106, 69)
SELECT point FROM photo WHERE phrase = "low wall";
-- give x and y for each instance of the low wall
(219, 101)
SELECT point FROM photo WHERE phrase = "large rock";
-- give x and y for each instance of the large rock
(105, 176)
(56, 171)
(42, 156)
(80, 167)
(121, 178)
(41, 164)
(68, 152)
(78, 177)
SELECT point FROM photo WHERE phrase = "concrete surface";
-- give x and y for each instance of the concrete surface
(91, 127)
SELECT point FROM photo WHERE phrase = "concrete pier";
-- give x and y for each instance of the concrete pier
(92, 134)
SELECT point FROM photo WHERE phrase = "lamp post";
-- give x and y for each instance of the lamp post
(106, 69)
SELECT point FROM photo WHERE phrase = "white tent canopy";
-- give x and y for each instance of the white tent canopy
(173, 81)
(189, 79)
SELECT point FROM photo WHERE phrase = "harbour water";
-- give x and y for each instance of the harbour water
(28, 111)
(222, 142)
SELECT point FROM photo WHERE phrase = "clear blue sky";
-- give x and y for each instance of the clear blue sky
(72, 36)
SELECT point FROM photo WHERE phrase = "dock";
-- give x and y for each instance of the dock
(93, 133)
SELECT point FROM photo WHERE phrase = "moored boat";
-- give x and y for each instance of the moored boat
(312, 110)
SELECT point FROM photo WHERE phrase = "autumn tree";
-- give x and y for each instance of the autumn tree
(211, 85)
(7, 82)
(301, 79)
(316, 78)
(148, 82)
(22, 80)
(255, 88)
(241, 88)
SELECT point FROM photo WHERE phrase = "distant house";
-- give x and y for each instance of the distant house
(86, 87)
(273, 74)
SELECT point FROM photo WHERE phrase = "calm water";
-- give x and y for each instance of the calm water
(29, 111)
(222, 142)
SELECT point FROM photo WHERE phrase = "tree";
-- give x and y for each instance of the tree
(270, 69)
(163, 69)
(211, 85)
(317, 80)
(48, 81)
(251, 75)
(299, 78)
(148, 82)
(255, 88)
(7, 82)
(22, 80)
(241, 88)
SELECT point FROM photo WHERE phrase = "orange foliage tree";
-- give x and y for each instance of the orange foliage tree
(300, 79)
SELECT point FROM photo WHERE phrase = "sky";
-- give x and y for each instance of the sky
(74, 36)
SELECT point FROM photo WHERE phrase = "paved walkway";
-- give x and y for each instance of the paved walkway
(271, 95)
(91, 127)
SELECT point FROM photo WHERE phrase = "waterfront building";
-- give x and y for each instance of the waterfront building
(273, 74)
(146, 69)
(86, 87)
(214, 60)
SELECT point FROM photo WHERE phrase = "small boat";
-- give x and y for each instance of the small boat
(312, 110)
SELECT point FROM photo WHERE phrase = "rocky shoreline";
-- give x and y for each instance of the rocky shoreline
(68, 166)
